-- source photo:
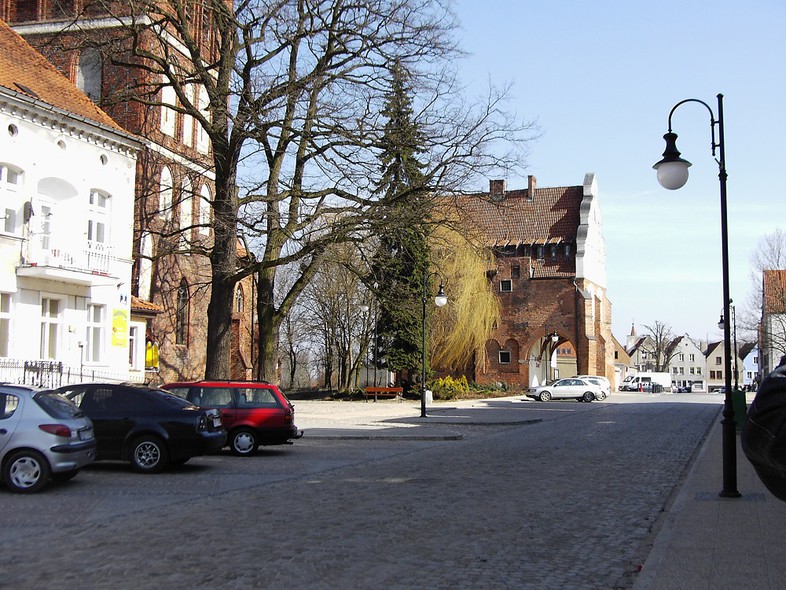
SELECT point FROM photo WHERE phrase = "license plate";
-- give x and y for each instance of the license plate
(216, 422)
(86, 434)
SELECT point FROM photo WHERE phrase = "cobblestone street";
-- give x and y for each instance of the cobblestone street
(566, 502)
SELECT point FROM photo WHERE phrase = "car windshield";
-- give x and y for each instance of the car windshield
(57, 406)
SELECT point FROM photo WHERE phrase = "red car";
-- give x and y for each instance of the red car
(253, 412)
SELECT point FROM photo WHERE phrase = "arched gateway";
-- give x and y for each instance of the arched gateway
(550, 278)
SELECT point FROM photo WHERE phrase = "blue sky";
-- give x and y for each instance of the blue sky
(600, 77)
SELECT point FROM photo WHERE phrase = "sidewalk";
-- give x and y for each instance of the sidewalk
(711, 542)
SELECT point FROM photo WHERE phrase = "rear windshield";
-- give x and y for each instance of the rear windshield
(57, 406)
(169, 398)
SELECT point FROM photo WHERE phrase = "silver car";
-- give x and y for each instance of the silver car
(572, 388)
(602, 382)
(43, 437)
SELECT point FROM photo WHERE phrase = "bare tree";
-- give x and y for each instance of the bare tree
(289, 94)
(659, 341)
(770, 254)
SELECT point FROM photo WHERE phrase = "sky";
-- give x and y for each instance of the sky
(600, 77)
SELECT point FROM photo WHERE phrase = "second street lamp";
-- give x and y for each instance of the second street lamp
(673, 174)
(440, 301)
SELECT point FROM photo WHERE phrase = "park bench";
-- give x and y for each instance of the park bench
(378, 392)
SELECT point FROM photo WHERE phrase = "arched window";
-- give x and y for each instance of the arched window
(205, 203)
(239, 300)
(165, 194)
(89, 73)
(186, 213)
(181, 320)
(168, 97)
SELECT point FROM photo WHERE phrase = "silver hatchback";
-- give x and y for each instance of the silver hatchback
(43, 437)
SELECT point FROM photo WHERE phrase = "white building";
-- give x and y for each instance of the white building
(67, 175)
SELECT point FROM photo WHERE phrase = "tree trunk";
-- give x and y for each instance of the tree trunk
(269, 325)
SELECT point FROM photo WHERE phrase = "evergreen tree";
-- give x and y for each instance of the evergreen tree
(401, 260)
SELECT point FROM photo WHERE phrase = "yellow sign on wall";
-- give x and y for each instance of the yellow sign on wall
(120, 327)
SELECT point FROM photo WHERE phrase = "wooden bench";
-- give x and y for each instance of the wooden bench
(378, 392)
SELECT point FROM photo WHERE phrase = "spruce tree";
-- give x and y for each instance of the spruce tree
(401, 260)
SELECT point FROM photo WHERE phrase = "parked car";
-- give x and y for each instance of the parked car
(253, 412)
(43, 437)
(149, 427)
(603, 383)
(572, 388)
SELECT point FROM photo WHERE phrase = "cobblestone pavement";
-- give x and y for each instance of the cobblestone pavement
(570, 501)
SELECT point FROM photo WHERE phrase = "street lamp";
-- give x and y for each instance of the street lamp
(734, 330)
(440, 301)
(673, 174)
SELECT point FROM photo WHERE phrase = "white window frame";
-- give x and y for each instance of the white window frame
(51, 326)
(98, 216)
(95, 333)
(205, 200)
(506, 282)
(5, 324)
(188, 120)
(509, 355)
(186, 211)
(202, 139)
(11, 197)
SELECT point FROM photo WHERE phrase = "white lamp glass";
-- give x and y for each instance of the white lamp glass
(673, 175)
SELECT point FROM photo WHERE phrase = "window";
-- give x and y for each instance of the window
(50, 327)
(165, 194)
(718, 360)
(93, 338)
(181, 319)
(89, 74)
(682, 370)
(202, 139)
(505, 286)
(97, 220)
(204, 210)
(10, 194)
(515, 272)
(145, 265)
(167, 112)
(755, 360)
(698, 370)
(674, 370)
(691, 357)
(5, 323)
(8, 405)
(693, 370)
(681, 357)
(133, 342)
(239, 299)
(504, 357)
(186, 213)
(188, 120)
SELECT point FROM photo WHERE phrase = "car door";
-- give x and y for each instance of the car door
(223, 399)
(10, 415)
(108, 409)
(567, 388)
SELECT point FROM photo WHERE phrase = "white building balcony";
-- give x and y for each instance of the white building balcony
(89, 263)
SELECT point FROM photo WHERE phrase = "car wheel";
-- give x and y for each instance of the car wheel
(243, 442)
(601, 396)
(588, 396)
(544, 396)
(148, 454)
(65, 475)
(26, 472)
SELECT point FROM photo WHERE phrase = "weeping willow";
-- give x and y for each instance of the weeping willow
(461, 328)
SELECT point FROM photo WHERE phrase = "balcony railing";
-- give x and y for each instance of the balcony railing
(92, 257)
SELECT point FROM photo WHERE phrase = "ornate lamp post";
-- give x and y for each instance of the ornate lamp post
(673, 174)
(440, 300)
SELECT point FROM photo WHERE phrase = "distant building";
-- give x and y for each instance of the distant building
(688, 365)
(751, 375)
(772, 333)
(550, 279)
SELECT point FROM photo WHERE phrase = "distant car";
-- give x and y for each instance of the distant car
(149, 427)
(603, 383)
(43, 436)
(573, 388)
(253, 412)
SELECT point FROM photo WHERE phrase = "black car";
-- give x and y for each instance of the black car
(149, 427)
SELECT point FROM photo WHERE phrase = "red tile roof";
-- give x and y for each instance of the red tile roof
(144, 307)
(24, 70)
(551, 216)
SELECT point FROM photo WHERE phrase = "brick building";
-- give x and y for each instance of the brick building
(550, 278)
(173, 202)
